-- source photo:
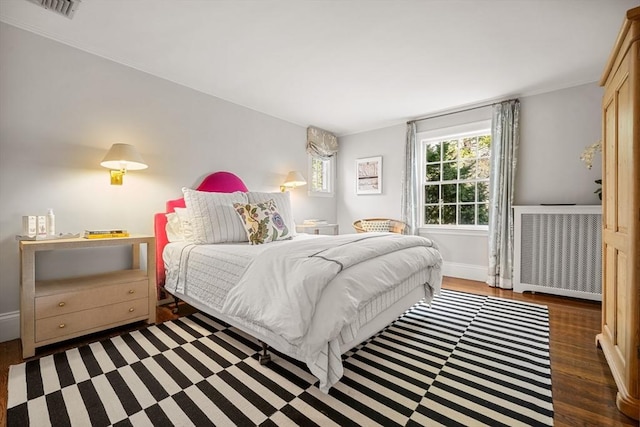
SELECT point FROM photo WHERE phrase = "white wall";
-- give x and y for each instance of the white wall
(555, 129)
(60, 111)
(388, 143)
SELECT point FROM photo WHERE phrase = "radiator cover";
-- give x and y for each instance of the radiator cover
(558, 250)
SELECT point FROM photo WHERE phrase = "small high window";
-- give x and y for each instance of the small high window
(321, 176)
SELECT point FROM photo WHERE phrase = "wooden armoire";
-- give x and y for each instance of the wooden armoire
(619, 338)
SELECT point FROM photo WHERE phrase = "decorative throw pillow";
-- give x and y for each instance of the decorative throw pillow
(283, 202)
(375, 225)
(185, 223)
(213, 217)
(262, 222)
(174, 234)
(179, 226)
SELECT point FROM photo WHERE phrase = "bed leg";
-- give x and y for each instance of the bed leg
(264, 357)
(175, 302)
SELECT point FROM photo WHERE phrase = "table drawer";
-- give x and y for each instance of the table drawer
(100, 317)
(78, 300)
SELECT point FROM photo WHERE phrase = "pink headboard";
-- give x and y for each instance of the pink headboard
(217, 182)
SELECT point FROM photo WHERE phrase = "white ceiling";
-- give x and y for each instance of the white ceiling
(345, 66)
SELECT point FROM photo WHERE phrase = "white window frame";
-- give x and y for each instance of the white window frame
(454, 132)
(329, 176)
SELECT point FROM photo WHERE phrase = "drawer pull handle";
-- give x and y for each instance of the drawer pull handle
(62, 304)
(131, 291)
(131, 310)
(61, 325)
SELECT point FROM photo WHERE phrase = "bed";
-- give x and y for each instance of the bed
(310, 297)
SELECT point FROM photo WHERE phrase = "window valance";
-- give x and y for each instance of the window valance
(321, 143)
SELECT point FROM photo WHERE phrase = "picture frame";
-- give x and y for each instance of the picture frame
(369, 175)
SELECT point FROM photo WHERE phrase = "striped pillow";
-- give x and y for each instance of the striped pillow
(375, 225)
(213, 218)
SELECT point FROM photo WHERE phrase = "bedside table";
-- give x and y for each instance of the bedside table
(60, 309)
(327, 229)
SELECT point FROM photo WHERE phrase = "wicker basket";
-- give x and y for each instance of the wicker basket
(395, 226)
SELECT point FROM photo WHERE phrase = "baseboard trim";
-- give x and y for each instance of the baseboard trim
(9, 326)
(465, 271)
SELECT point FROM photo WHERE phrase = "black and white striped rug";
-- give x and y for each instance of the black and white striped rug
(467, 360)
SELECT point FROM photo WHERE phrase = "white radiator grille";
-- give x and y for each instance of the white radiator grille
(559, 253)
(63, 7)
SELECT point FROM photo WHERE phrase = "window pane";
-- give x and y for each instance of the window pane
(467, 192)
(432, 214)
(449, 171)
(467, 214)
(483, 168)
(433, 172)
(456, 189)
(449, 150)
(317, 177)
(467, 169)
(483, 214)
(433, 152)
(484, 146)
(483, 192)
(449, 214)
(432, 193)
(449, 193)
(468, 148)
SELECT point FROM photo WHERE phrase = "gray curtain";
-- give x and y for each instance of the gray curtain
(410, 182)
(505, 138)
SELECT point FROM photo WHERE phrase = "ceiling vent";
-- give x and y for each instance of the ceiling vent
(63, 7)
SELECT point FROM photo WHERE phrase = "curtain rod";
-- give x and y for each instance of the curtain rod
(461, 111)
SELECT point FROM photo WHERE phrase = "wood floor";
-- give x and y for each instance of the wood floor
(583, 389)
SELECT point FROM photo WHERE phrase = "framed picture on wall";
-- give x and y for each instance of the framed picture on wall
(369, 175)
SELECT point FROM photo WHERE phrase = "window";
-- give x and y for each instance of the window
(456, 176)
(321, 176)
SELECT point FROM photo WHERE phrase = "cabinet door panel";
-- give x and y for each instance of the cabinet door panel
(621, 298)
(624, 158)
(609, 163)
(609, 308)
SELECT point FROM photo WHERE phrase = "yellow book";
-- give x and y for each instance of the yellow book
(105, 235)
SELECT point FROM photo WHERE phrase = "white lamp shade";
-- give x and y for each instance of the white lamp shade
(294, 179)
(123, 156)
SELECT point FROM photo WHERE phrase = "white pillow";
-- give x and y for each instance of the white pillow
(185, 223)
(282, 201)
(174, 233)
(179, 226)
(212, 216)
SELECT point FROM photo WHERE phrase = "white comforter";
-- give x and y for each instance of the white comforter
(299, 291)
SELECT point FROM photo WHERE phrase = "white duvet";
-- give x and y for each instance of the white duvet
(306, 291)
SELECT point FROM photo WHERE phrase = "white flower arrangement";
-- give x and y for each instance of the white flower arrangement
(589, 152)
(587, 158)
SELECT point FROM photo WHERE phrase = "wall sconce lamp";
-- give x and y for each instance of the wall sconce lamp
(120, 158)
(294, 179)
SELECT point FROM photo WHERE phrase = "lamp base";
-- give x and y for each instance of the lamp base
(117, 177)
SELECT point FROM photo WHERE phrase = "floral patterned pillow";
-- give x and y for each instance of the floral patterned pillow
(262, 221)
